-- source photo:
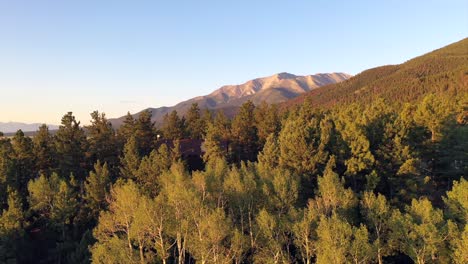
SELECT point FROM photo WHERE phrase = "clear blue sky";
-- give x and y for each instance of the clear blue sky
(119, 56)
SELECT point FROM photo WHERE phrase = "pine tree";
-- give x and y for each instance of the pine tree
(127, 129)
(7, 172)
(44, 150)
(71, 145)
(12, 224)
(130, 161)
(267, 121)
(96, 188)
(24, 161)
(212, 145)
(102, 140)
(244, 133)
(195, 123)
(269, 157)
(145, 133)
(151, 168)
(173, 127)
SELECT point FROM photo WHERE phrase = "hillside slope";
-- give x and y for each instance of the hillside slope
(441, 71)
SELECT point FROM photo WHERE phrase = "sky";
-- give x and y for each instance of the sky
(118, 56)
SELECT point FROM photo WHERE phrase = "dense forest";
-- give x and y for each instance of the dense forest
(371, 170)
(359, 184)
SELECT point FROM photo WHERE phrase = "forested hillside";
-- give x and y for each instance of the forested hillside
(442, 71)
(368, 181)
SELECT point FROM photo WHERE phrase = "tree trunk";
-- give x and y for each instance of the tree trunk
(179, 248)
(142, 256)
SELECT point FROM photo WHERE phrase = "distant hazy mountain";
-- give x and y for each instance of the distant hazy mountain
(11, 127)
(273, 89)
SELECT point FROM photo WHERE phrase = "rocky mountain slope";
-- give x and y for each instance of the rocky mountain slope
(272, 89)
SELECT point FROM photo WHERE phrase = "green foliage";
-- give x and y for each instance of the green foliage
(377, 213)
(432, 113)
(457, 201)
(144, 133)
(332, 197)
(71, 145)
(195, 123)
(151, 167)
(173, 126)
(267, 121)
(460, 253)
(44, 150)
(96, 187)
(360, 183)
(440, 72)
(24, 160)
(339, 242)
(244, 133)
(102, 140)
(130, 161)
(420, 232)
(12, 224)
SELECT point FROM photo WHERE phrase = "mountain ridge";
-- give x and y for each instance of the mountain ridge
(12, 127)
(276, 88)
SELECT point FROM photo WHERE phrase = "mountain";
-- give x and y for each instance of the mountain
(444, 70)
(12, 127)
(273, 89)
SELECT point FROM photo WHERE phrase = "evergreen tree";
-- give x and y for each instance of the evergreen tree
(195, 123)
(127, 129)
(269, 157)
(244, 133)
(151, 168)
(12, 224)
(24, 161)
(102, 140)
(7, 167)
(130, 161)
(173, 127)
(71, 145)
(145, 133)
(267, 121)
(213, 145)
(44, 150)
(96, 188)
(303, 144)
